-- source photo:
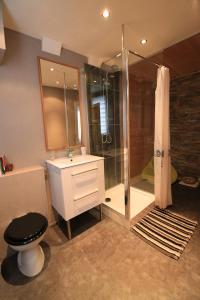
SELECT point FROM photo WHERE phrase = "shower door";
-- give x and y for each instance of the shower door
(104, 101)
(142, 84)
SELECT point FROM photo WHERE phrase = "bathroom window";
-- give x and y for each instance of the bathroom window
(101, 101)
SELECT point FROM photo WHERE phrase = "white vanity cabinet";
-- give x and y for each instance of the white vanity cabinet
(77, 184)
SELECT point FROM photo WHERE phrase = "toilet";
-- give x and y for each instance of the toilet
(24, 234)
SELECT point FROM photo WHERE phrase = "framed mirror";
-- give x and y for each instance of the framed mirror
(60, 94)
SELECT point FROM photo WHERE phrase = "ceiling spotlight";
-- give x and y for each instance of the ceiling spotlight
(143, 41)
(95, 81)
(51, 69)
(106, 13)
(57, 82)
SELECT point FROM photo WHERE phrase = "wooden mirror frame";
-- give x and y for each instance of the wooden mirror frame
(42, 102)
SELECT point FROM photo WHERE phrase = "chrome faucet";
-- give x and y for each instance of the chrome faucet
(69, 152)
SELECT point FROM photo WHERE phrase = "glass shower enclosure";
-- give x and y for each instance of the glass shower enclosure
(142, 85)
(121, 103)
(104, 101)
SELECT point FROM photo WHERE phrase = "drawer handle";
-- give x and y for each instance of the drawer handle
(85, 195)
(84, 171)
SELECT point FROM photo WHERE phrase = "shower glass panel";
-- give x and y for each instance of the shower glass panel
(142, 84)
(104, 97)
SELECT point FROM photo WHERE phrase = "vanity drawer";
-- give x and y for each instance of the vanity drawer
(84, 179)
(76, 188)
(86, 201)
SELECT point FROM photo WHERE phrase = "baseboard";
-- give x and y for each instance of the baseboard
(139, 216)
(53, 223)
(115, 216)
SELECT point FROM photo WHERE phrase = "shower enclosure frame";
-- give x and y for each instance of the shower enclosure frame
(126, 124)
(126, 118)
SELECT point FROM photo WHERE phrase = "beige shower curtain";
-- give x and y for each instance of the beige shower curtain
(162, 160)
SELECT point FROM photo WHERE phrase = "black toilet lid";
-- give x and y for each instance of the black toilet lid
(25, 229)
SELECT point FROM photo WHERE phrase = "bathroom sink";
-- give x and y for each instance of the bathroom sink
(66, 162)
(76, 184)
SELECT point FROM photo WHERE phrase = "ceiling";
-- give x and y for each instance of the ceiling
(80, 27)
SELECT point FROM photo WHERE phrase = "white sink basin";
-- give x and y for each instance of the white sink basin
(66, 162)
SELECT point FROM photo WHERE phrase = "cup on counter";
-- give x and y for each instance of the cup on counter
(83, 150)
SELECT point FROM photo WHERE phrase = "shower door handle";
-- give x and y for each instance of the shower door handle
(107, 140)
(159, 153)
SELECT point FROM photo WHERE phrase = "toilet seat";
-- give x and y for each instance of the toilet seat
(24, 234)
(25, 229)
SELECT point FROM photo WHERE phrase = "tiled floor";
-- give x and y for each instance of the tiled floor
(109, 262)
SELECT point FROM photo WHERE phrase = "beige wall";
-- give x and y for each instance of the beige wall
(21, 121)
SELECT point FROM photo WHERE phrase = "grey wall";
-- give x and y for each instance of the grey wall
(21, 123)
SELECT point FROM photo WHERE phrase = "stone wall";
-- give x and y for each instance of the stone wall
(185, 124)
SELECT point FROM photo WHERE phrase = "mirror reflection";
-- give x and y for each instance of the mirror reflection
(61, 105)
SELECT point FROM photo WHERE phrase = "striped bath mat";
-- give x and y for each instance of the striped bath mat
(167, 231)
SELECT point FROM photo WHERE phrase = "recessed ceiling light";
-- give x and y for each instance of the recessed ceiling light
(143, 41)
(106, 13)
(51, 69)
(57, 82)
(95, 81)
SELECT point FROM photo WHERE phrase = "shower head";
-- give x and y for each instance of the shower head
(105, 67)
(115, 68)
(110, 68)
